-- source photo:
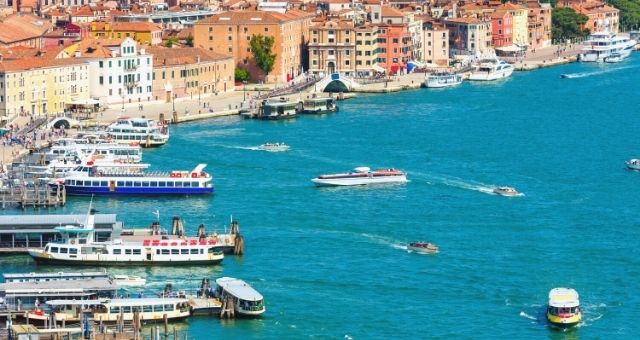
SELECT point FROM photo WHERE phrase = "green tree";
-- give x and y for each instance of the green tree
(566, 23)
(190, 40)
(629, 13)
(171, 41)
(241, 74)
(262, 54)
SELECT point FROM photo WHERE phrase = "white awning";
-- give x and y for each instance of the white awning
(510, 48)
(377, 68)
(89, 101)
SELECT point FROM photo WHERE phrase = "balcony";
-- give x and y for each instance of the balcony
(130, 83)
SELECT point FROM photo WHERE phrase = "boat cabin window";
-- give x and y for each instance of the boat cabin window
(82, 241)
(126, 309)
(95, 183)
(147, 309)
(128, 183)
(117, 251)
(73, 251)
(63, 250)
(184, 251)
(114, 309)
(157, 308)
(127, 251)
(168, 308)
(170, 184)
(137, 184)
(54, 249)
(162, 184)
(174, 251)
(214, 250)
(165, 251)
(194, 251)
(201, 251)
(178, 184)
(120, 183)
(103, 183)
(137, 252)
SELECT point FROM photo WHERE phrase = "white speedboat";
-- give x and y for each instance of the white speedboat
(563, 309)
(506, 191)
(246, 300)
(633, 164)
(274, 147)
(128, 280)
(604, 45)
(362, 176)
(422, 247)
(439, 80)
(491, 69)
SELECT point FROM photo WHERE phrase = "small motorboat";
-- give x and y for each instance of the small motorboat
(274, 147)
(422, 247)
(633, 164)
(564, 308)
(128, 280)
(506, 191)
(361, 176)
(564, 76)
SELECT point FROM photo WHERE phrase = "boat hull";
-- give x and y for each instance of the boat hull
(359, 181)
(41, 260)
(318, 112)
(422, 250)
(140, 191)
(564, 322)
(483, 76)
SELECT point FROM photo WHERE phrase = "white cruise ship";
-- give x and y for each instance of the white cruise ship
(142, 131)
(78, 246)
(606, 47)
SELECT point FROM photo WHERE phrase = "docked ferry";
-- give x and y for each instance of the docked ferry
(564, 307)
(144, 131)
(130, 179)
(69, 150)
(606, 46)
(439, 80)
(110, 310)
(78, 246)
(318, 105)
(361, 176)
(246, 300)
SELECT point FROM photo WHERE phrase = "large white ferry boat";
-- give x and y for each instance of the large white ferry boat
(606, 47)
(78, 246)
(491, 69)
(131, 179)
(361, 176)
(138, 130)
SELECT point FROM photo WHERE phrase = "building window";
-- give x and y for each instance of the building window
(100, 64)
(230, 29)
(101, 80)
(266, 29)
(230, 49)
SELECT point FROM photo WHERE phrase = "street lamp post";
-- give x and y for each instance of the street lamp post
(244, 94)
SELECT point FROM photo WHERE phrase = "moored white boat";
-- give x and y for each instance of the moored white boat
(361, 176)
(633, 164)
(491, 69)
(563, 309)
(439, 80)
(423, 247)
(604, 45)
(246, 300)
(506, 191)
(110, 310)
(128, 280)
(142, 131)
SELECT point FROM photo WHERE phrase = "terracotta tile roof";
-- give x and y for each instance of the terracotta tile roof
(391, 12)
(83, 11)
(499, 14)
(185, 33)
(18, 27)
(163, 56)
(126, 26)
(254, 17)
(466, 20)
(510, 6)
(36, 63)
(95, 48)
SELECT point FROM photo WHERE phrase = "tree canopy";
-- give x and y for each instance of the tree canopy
(629, 13)
(566, 24)
(241, 74)
(262, 54)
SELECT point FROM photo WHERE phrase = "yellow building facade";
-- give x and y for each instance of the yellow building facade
(145, 33)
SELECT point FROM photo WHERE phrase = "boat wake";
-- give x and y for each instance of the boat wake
(385, 241)
(530, 317)
(593, 73)
(457, 182)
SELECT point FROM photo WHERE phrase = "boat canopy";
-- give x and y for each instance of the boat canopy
(75, 302)
(563, 297)
(144, 301)
(362, 169)
(239, 289)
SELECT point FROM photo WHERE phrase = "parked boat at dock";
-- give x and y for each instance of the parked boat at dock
(128, 280)
(318, 105)
(246, 300)
(563, 309)
(361, 176)
(78, 246)
(56, 276)
(491, 69)
(129, 179)
(603, 45)
(146, 132)
(276, 110)
(439, 80)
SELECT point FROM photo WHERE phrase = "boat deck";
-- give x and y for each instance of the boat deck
(205, 306)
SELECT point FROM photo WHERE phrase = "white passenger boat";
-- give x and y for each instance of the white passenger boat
(506, 191)
(274, 147)
(276, 110)
(604, 45)
(109, 310)
(318, 105)
(78, 246)
(633, 164)
(422, 247)
(246, 300)
(56, 276)
(439, 80)
(128, 280)
(491, 69)
(132, 179)
(126, 153)
(362, 176)
(144, 131)
(563, 309)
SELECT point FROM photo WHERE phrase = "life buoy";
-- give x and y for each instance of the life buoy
(194, 175)
(172, 175)
(178, 175)
(73, 241)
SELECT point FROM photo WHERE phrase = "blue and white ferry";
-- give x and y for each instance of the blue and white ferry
(131, 179)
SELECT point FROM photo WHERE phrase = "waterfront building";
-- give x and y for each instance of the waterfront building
(367, 50)
(230, 33)
(395, 43)
(64, 36)
(469, 36)
(23, 30)
(601, 16)
(501, 28)
(19, 232)
(193, 72)
(40, 84)
(435, 43)
(539, 21)
(520, 23)
(332, 46)
(187, 18)
(120, 69)
(145, 33)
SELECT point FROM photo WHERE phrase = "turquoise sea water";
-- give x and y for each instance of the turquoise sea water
(331, 263)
